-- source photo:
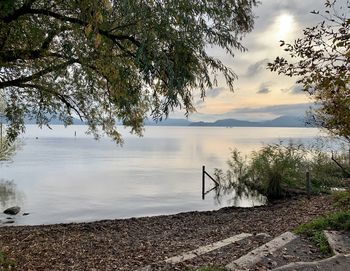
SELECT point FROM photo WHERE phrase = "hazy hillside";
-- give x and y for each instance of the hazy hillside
(283, 121)
(168, 122)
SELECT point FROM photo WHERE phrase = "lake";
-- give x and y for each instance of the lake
(58, 177)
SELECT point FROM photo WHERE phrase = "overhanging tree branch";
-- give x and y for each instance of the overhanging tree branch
(82, 23)
(64, 98)
(150, 61)
(345, 172)
(16, 82)
(18, 12)
(13, 55)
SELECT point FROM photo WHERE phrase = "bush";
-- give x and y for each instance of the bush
(278, 170)
(278, 167)
(270, 171)
(342, 199)
(325, 172)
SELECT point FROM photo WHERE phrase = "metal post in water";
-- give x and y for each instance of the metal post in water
(203, 182)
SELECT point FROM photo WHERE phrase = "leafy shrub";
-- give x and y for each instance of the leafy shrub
(270, 171)
(276, 167)
(342, 199)
(325, 172)
(278, 170)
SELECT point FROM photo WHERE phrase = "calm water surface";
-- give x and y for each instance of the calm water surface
(57, 177)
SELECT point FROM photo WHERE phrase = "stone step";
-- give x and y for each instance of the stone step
(338, 262)
(338, 241)
(249, 260)
(340, 245)
(201, 250)
(205, 249)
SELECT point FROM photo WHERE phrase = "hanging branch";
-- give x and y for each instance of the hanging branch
(345, 172)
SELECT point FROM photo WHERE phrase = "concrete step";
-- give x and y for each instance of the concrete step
(201, 250)
(338, 241)
(249, 260)
(340, 246)
(338, 262)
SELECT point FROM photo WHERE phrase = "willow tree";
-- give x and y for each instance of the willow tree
(113, 60)
(7, 148)
(321, 62)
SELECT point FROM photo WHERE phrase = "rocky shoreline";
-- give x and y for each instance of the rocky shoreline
(128, 244)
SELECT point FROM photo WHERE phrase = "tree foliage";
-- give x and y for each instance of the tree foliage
(7, 149)
(109, 60)
(323, 66)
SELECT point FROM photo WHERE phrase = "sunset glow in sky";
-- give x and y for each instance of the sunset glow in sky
(259, 93)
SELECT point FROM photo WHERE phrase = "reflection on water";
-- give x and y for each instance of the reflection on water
(69, 178)
(233, 195)
(9, 196)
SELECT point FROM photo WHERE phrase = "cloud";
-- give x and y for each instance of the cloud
(257, 113)
(199, 103)
(214, 92)
(283, 109)
(257, 67)
(296, 89)
(264, 88)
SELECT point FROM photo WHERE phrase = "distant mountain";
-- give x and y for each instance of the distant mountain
(226, 123)
(283, 121)
(54, 121)
(168, 122)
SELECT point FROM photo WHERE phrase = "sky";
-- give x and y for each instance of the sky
(259, 93)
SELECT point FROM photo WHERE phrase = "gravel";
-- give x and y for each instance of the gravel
(129, 244)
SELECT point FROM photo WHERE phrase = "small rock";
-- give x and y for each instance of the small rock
(9, 222)
(25, 213)
(264, 235)
(287, 257)
(12, 210)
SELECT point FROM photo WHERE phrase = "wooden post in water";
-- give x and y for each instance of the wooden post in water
(308, 184)
(203, 182)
